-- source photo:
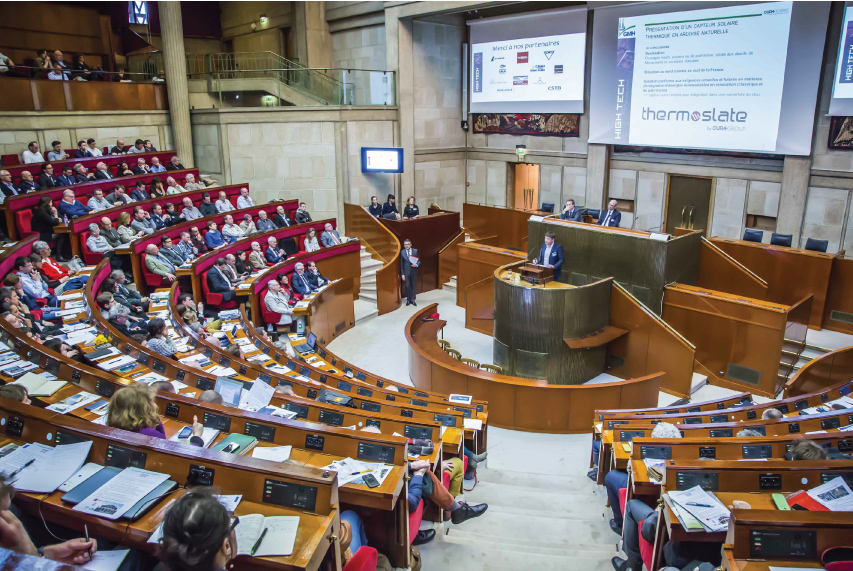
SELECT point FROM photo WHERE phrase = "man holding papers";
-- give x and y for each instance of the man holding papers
(409, 264)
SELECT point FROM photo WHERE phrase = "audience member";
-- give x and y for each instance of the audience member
(159, 219)
(138, 147)
(119, 196)
(149, 146)
(109, 233)
(230, 270)
(256, 257)
(125, 232)
(157, 264)
(302, 216)
(190, 183)
(124, 294)
(46, 178)
(172, 187)
(27, 184)
(32, 154)
(330, 236)
(278, 301)
(142, 222)
(82, 151)
(81, 175)
(244, 200)
(771, 413)
(274, 254)
(389, 209)
(424, 482)
(223, 204)
(6, 187)
(311, 244)
(281, 219)
(189, 212)
(102, 172)
(198, 241)
(248, 226)
(70, 207)
(231, 232)
(5, 64)
(315, 278)
(301, 283)
(218, 282)
(168, 251)
(134, 407)
(213, 237)
(207, 208)
(411, 211)
(156, 166)
(123, 169)
(43, 60)
(141, 167)
(93, 147)
(241, 263)
(99, 245)
(56, 153)
(98, 202)
(264, 224)
(157, 188)
(375, 209)
(185, 247)
(175, 164)
(66, 178)
(118, 148)
(123, 77)
(45, 219)
(51, 268)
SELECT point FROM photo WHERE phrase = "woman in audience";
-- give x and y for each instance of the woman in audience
(190, 317)
(15, 392)
(134, 408)
(158, 340)
(172, 187)
(157, 190)
(125, 233)
(278, 301)
(213, 237)
(45, 218)
(311, 243)
(123, 169)
(198, 533)
(256, 257)
(241, 264)
(198, 241)
(411, 210)
(64, 349)
(284, 282)
(375, 209)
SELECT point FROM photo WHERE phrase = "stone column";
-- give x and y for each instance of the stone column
(597, 175)
(175, 62)
(792, 200)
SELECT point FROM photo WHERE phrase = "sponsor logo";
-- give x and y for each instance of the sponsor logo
(548, 54)
(478, 72)
(625, 31)
(539, 81)
(558, 68)
(522, 57)
(519, 80)
(501, 90)
(502, 68)
(497, 58)
(537, 68)
(709, 116)
(496, 82)
(554, 88)
(776, 11)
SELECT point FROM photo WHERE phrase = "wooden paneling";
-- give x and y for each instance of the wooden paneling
(729, 330)
(85, 96)
(429, 234)
(332, 311)
(71, 28)
(51, 95)
(719, 271)
(649, 346)
(478, 261)
(17, 95)
(827, 370)
(516, 403)
(839, 297)
(791, 273)
(379, 241)
(509, 227)
(448, 259)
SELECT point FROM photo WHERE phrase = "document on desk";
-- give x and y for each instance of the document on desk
(70, 296)
(106, 560)
(656, 469)
(118, 495)
(257, 397)
(73, 402)
(272, 453)
(278, 540)
(230, 502)
(834, 495)
(690, 523)
(117, 362)
(704, 507)
(41, 469)
(472, 423)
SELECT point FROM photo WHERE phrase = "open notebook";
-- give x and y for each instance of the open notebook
(38, 386)
(279, 539)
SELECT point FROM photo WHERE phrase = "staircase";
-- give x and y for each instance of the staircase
(450, 285)
(365, 305)
(544, 513)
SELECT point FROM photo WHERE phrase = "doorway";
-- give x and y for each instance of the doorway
(525, 187)
(688, 203)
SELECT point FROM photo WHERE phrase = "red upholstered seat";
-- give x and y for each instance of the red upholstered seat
(363, 560)
(23, 221)
(415, 521)
(212, 298)
(91, 258)
(269, 316)
(9, 160)
(445, 476)
(151, 279)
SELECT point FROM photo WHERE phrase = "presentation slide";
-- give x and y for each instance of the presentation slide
(710, 78)
(381, 160)
(842, 87)
(528, 63)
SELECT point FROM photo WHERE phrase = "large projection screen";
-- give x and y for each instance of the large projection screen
(528, 63)
(720, 76)
(842, 86)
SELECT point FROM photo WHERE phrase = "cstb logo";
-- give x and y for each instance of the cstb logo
(522, 57)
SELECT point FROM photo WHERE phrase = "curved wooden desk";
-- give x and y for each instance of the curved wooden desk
(516, 403)
(382, 245)
(827, 370)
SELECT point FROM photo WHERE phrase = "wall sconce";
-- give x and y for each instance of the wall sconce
(263, 19)
(521, 150)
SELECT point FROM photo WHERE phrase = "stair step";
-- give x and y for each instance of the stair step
(367, 296)
(364, 310)
(369, 273)
(522, 480)
(370, 263)
(369, 288)
(699, 380)
(368, 278)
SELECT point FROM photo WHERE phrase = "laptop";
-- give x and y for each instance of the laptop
(88, 486)
(310, 346)
(229, 390)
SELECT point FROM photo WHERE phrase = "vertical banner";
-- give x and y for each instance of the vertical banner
(624, 78)
(478, 72)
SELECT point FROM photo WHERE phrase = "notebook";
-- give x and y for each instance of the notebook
(209, 435)
(278, 540)
(245, 443)
(38, 386)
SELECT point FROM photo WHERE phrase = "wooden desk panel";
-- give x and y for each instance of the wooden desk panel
(506, 227)
(833, 368)
(838, 313)
(475, 281)
(719, 271)
(791, 273)
(381, 243)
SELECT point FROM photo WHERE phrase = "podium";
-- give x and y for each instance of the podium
(538, 275)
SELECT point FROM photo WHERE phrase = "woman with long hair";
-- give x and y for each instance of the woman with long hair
(134, 408)
(157, 189)
(198, 533)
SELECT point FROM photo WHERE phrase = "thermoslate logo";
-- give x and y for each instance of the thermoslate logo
(710, 116)
(522, 57)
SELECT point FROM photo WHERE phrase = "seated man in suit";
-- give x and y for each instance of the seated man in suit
(118, 316)
(218, 282)
(274, 254)
(119, 196)
(109, 233)
(571, 213)
(158, 264)
(281, 219)
(46, 179)
(315, 278)
(264, 223)
(330, 236)
(98, 202)
(8, 189)
(551, 255)
(81, 175)
(82, 151)
(67, 177)
(141, 167)
(256, 258)
(207, 208)
(160, 218)
(300, 283)
(174, 164)
(611, 216)
(102, 172)
(169, 252)
(27, 183)
(139, 193)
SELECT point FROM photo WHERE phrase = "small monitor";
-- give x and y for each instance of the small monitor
(381, 159)
(229, 391)
(312, 340)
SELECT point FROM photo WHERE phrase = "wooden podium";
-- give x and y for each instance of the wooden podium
(538, 275)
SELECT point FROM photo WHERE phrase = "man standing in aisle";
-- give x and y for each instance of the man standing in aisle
(409, 263)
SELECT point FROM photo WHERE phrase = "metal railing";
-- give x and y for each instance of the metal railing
(317, 86)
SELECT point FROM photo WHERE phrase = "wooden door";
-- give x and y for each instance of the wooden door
(526, 187)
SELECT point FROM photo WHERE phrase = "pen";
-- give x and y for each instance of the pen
(699, 505)
(86, 529)
(16, 472)
(258, 542)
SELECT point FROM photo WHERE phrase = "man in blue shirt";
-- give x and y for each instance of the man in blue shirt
(213, 237)
(71, 207)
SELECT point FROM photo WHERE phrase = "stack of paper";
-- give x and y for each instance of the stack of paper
(121, 493)
(41, 469)
(272, 453)
(257, 397)
(229, 314)
(73, 402)
(208, 436)
(835, 495)
(656, 470)
(352, 471)
(705, 507)
(278, 540)
(117, 362)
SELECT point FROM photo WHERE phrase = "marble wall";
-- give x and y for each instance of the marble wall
(440, 182)
(364, 185)
(728, 211)
(824, 218)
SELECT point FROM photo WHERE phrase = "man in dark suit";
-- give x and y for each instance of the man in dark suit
(46, 179)
(274, 254)
(217, 281)
(409, 263)
(571, 213)
(174, 164)
(551, 255)
(102, 172)
(281, 219)
(6, 186)
(611, 216)
(300, 282)
(80, 174)
(67, 177)
(27, 183)
(82, 151)
(315, 278)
